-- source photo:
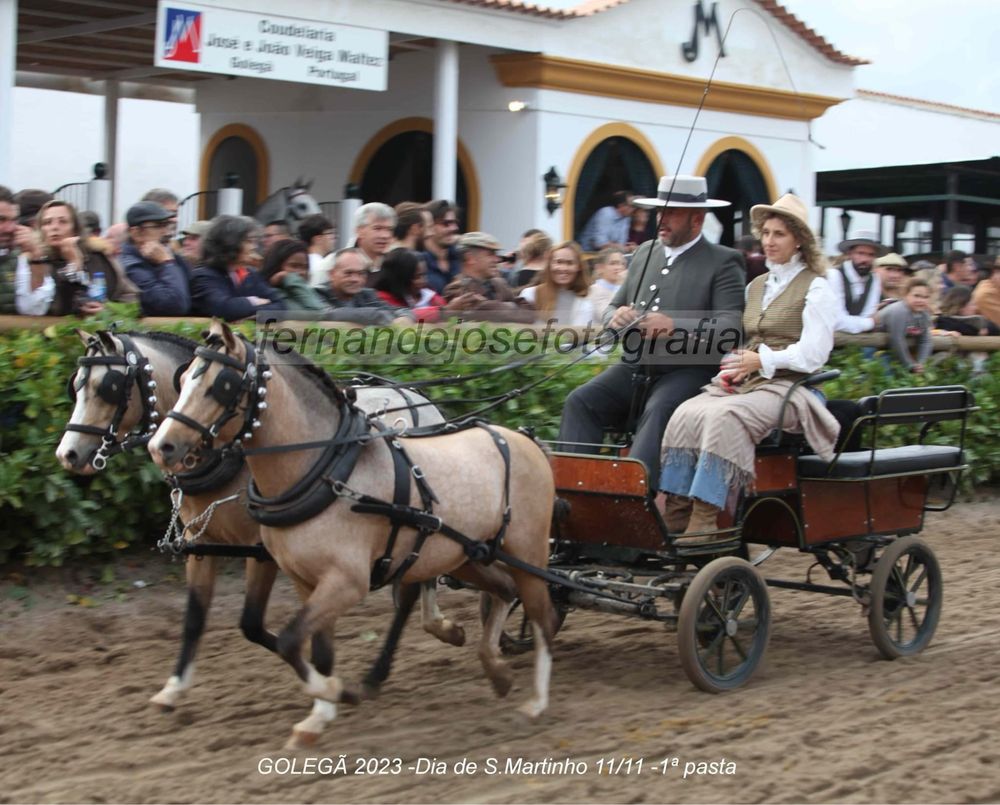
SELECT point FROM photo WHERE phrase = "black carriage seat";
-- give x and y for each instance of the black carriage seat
(926, 406)
(884, 461)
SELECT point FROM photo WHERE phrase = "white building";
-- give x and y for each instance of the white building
(609, 97)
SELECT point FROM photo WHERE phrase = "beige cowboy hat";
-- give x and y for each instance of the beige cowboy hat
(894, 260)
(863, 238)
(789, 207)
(681, 191)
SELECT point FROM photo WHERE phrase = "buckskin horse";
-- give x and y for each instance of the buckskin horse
(324, 476)
(123, 387)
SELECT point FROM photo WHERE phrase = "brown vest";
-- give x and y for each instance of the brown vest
(779, 326)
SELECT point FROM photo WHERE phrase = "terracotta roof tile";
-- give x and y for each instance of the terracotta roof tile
(794, 24)
(584, 9)
(591, 7)
(935, 105)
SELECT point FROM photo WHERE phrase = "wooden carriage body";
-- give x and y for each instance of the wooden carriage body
(799, 500)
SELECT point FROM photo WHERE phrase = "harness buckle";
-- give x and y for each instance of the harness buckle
(417, 472)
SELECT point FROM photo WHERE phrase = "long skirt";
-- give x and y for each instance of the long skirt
(710, 441)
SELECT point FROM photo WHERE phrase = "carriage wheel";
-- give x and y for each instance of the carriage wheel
(906, 594)
(517, 636)
(723, 625)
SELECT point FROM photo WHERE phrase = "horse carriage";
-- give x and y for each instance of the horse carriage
(550, 531)
(855, 516)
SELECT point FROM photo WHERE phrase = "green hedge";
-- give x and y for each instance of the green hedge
(51, 517)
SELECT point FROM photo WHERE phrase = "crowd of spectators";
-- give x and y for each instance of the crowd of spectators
(413, 263)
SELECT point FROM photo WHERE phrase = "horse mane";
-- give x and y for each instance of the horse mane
(179, 342)
(316, 375)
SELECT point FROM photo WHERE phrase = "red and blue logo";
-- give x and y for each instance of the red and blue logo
(182, 36)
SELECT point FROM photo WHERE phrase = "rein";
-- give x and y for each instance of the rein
(116, 389)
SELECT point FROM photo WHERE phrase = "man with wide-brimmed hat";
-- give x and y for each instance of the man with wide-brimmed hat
(892, 271)
(675, 285)
(856, 284)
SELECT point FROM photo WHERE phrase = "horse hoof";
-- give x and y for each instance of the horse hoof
(351, 696)
(531, 709)
(455, 636)
(301, 739)
(502, 684)
(162, 703)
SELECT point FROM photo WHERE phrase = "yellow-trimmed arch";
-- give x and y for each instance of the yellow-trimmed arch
(595, 138)
(424, 124)
(249, 134)
(746, 147)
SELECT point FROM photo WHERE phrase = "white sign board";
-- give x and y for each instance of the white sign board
(219, 40)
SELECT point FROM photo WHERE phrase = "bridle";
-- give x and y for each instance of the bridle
(116, 389)
(235, 380)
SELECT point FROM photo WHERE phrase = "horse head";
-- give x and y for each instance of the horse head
(221, 381)
(299, 203)
(113, 393)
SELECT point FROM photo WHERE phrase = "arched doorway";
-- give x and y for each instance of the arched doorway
(397, 163)
(235, 149)
(735, 177)
(616, 163)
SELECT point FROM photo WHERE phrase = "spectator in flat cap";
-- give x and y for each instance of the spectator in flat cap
(30, 201)
(163, 279)
(478, 294)
(190, 241)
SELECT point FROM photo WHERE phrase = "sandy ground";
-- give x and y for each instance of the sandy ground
(824, 721)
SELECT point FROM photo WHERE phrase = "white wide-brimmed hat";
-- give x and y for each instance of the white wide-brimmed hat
(789, 207)
(863, 239)
(681, 191)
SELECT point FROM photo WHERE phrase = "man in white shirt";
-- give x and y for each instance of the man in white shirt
(856, 286)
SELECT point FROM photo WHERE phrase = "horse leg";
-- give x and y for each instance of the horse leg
(333, 595)
(435, 623)
(260, 580)
(308, 730)
(537, 603)
(201, 583)
(497, 670)
(372, 683)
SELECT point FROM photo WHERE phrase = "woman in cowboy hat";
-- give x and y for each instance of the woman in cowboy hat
(788, 324)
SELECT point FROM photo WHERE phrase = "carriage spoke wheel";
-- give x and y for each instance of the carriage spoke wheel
(723, 625)
(517, 636)
(906, 593)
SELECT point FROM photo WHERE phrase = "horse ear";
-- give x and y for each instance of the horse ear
(107, 340)
(83, 335)
(297, 182)
(227, 337)
(309, 183)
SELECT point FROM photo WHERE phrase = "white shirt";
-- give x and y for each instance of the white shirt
(31, 302)
(864, 321)
(819, 319)
(580, 309)
(319, 269)
(672, 253)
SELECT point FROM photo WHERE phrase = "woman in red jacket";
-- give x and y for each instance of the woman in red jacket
(402, 282)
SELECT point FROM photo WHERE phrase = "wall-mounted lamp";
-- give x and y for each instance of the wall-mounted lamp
(845, 222)
(516, 106)
(553, 190)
